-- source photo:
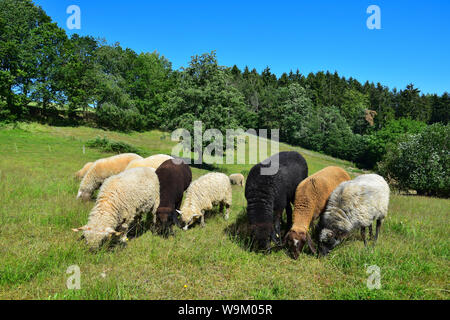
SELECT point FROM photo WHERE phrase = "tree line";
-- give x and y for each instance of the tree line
(83, 80)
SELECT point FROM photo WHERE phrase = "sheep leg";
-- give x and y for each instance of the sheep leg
(289, 216)
(227, 212)
(277, 231)
(370, 232)
(202, 219)
(378, 229)
(363, 235)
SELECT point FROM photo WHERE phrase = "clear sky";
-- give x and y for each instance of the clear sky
(413, 45)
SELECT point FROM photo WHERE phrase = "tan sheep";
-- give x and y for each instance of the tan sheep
(151, 162)
(204, 193)
(237, 179)
(122, 201)
(101, 170)
(80, 174)
(311, 197)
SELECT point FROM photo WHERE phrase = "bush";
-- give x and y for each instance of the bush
(106, 145)
(112, 117)
(421, 162)
(377, 143)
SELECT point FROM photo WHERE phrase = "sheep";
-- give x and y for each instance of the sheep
(311, 197)
(269, 194)
(353, 204)
(151, 162)
(237, 179)
(101, 170)
(121, 203)
(80, 174)
(204, 193)
(174, 178)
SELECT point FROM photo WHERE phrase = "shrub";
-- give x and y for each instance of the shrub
(420, 162)
(377, 143)
(106, 145)
(112, 117)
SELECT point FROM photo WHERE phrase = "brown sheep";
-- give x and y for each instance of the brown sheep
(311, 197)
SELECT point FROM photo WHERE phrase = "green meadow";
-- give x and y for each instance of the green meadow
(38, 209)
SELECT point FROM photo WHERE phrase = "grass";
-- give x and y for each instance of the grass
(38, 209)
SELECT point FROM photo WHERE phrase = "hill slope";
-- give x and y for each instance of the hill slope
(38, 209)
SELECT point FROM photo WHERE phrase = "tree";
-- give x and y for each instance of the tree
(204, 93)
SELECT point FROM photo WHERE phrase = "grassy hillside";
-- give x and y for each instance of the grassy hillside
(38, 209)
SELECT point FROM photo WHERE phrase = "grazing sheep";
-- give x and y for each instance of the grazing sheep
(174, 178)
(151, 162)
(353, 204)
(268, 195)
(237, 178)
(80, 174)
(101, 170)
(311, 198)
(121, 203)
(204, 193)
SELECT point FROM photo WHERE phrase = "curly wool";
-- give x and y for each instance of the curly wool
(151, 162)
(103, 169)
(312, 194)
(205, 192)
(356, 203)
(81, 173)
(237, 178)
(122, 201)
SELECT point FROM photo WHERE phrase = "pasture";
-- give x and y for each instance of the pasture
(38, 209)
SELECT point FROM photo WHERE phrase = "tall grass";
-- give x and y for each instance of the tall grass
(38, 209)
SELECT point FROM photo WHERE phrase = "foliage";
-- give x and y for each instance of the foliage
(390, 134)
(106, 145)
(421, 162)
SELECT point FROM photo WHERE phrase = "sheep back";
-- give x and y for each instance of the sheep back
(152, 162)
(205, 192)
(81, 173)
(122, 200)
(103, 169)
(356, 203)
(174, 178)
(237, 179)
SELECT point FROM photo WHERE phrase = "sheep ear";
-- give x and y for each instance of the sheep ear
(311, 244)
(179, 212)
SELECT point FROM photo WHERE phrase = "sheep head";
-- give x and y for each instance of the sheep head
(328, 239)
(188, 217)
(166, 217)
(296, 241)
(96, 237)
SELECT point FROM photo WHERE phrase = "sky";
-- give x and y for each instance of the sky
(412, 46)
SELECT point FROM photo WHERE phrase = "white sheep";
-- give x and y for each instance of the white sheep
(353, 204)
(237, 178)
(151, 162)
(204, 193)
(101, 170)
(122, 201)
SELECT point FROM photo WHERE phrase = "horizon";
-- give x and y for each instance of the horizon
(411, 47)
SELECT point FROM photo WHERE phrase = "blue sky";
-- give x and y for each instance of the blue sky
(413, 45)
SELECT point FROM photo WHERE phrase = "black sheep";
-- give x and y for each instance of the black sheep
(174, 177)
(270, 191)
